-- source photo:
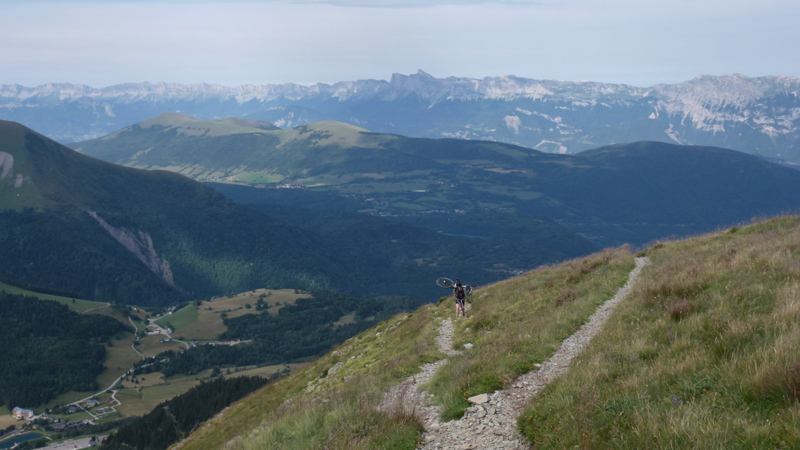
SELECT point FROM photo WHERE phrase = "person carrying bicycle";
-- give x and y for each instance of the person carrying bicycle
(460, 293)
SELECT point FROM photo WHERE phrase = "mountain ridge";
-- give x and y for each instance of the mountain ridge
(739, 89)
(755, 115)
(122, 234)
(691, 187)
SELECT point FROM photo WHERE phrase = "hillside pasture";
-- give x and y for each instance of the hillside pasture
(73, 304)
(139, 399)
(209, 324)
(120, 357)
(151, 345)
(180, 318)
(703, 353)
(144, 380)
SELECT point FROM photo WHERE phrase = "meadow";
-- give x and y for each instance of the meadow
(204, 322)
(702, 355)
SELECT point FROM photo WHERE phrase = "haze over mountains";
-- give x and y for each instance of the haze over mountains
(753, 115)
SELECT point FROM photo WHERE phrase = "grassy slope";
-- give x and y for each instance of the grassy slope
(704, 354)
(180, 318)
(522, 321)
(316, 408)
(207, 323)
(76, 305)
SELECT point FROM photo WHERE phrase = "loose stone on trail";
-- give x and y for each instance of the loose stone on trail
(478, 399)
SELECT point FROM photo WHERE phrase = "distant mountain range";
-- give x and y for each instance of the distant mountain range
(754, 115)
(630, 193)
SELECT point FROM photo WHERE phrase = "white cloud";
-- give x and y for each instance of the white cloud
(234, 42)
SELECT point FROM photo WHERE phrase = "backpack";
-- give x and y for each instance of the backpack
(460, 292)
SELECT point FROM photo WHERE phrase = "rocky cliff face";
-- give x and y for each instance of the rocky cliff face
(141, 245)
(755, 115)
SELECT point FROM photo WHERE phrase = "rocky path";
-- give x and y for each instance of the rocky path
(491, 423)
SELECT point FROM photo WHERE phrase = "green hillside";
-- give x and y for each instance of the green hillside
(626, 193)
(701, 354)
(116, 234)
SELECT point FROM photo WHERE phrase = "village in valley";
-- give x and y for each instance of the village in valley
(84, 419)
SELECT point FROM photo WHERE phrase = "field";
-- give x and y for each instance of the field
(76, 305)
(180, 318)
(208, 323)
(151, 345)
(119, 358)
(345, 320)
(152, 389)
(6, 419)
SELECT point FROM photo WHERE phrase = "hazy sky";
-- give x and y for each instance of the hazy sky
(638, 42)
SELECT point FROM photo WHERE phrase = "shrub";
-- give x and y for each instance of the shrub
(781, 384)
(565, 296)
(681, 309)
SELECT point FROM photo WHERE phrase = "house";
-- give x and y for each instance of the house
(20, 413)
(72, 409)
(92, 403)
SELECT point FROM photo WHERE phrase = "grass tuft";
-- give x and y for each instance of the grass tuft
(780, 384)
(681, 309)
(566, 295)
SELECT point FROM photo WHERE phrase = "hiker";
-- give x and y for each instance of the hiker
(460, 294)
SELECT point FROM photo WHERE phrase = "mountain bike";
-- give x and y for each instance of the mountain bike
(447, 283)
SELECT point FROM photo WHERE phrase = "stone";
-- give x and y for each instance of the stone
(468, 346)
(491, 410)
(478, 399)
(481, 414)
(335, 368)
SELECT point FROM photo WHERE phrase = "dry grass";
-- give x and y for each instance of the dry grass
(520, 322)
(119, 358)
(681, 308)
(209, 325)
(703, 354)
(7, 420)
(332, 403)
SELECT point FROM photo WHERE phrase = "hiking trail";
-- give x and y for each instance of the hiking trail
(493, 424)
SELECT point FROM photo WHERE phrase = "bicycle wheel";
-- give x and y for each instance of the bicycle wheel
(469, 294)
(445, 282)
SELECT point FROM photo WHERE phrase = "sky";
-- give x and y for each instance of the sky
(638, 42)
